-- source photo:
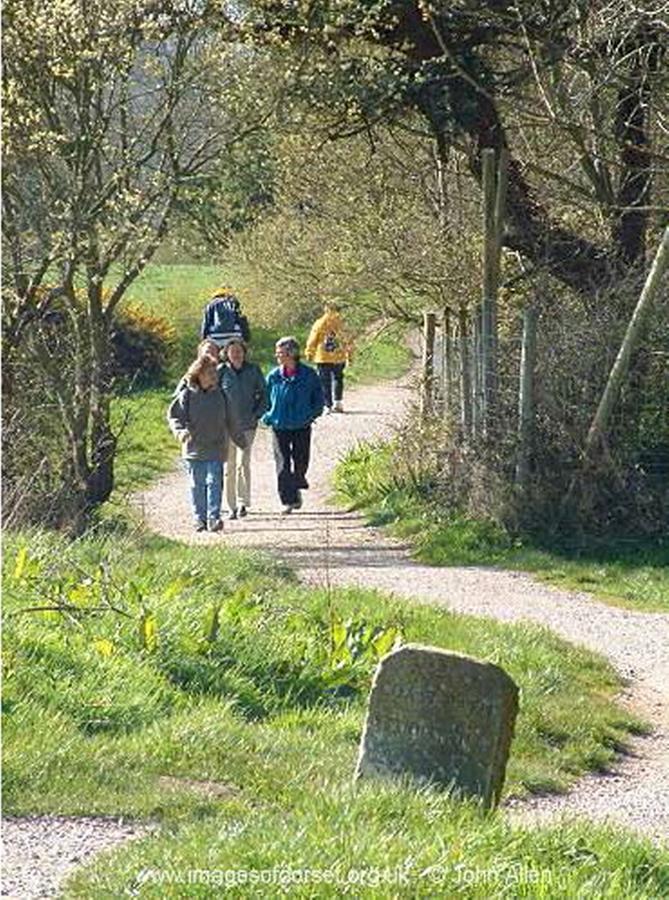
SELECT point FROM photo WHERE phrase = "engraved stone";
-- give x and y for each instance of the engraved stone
(440, 717)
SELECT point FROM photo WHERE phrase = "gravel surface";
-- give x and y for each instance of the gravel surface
(331, 546)
(40, 852)
(328, 545)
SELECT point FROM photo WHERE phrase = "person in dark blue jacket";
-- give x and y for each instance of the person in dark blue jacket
(223, 320)
(295, 401)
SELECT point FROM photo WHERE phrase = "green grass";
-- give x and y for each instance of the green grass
(99, 707)
(632, 573)
(269, 658)
(380, 843)
(179, 293)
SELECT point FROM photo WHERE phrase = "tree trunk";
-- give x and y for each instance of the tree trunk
(579, 263)
(630, 129)
(103, 440)
(600, 423)
(441, 162)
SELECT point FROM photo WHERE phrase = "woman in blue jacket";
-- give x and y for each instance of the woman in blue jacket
(295, 401)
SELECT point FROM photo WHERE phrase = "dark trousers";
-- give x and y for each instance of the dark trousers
(329, 372)
(291, 456)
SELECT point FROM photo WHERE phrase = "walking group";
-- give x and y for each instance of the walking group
(223, 397)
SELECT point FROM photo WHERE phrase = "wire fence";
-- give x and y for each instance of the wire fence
(524, 410)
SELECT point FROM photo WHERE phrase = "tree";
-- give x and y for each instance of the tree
(359, 219)
(576, 94)
(586, 78)
(111, 112)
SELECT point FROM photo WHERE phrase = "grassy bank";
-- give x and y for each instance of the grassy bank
(630, 573)
(206, 695)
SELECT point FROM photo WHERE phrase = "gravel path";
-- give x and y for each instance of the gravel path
(40, 852)
(328, 545)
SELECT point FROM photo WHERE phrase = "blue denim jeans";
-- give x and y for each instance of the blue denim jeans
(206, 480)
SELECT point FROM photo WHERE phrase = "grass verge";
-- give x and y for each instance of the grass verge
(630, 573)
(198, 687)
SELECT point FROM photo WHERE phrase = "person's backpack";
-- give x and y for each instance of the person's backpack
(222, 318)
(330, 342)
(225, 317)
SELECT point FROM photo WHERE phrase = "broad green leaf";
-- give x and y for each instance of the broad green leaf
(148, 631)
(21, 560)
(385, 641)
(213, 623)
(338, 633)
(82, 593)
(174, 588)
(103, 646)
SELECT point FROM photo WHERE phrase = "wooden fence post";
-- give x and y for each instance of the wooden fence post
(477, 362)
(465, 376)
(494, 205)
(488, 315)
(526, 394)
(427, 393)
(500, 214)
(447, 363)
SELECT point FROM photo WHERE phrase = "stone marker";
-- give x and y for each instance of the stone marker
(442, 718)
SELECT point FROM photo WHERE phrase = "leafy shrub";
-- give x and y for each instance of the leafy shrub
(141, 345)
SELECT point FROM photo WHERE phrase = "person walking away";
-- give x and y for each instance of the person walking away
(223, 320)
(198, 418)
(330, 347)
(295, 402)
(243, 385)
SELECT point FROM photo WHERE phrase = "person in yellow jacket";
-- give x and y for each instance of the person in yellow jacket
(330, 347)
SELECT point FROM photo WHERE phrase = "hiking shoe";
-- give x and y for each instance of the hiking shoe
(232, 514)
(298, 501)
(215, 525)
(200, 525)
(339, 406)
(242, 511)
